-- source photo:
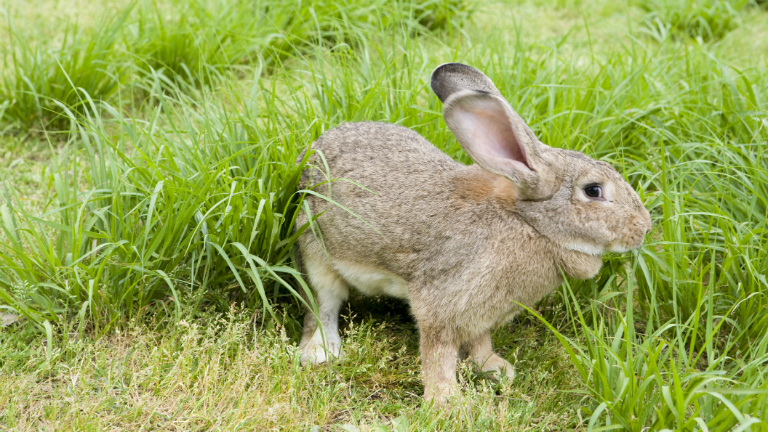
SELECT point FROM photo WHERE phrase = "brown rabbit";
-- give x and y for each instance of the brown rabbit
(462, 244)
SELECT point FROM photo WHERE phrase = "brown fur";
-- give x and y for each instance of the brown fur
(473, 187)
(464, 245)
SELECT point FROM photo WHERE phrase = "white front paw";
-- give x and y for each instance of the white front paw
(316, 353)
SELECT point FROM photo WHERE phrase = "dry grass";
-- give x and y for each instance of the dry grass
(221, 373)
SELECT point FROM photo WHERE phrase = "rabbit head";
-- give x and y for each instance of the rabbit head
(577, 202)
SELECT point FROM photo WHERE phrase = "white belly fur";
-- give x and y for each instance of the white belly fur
(372, 281)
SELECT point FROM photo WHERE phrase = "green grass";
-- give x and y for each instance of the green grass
(215, 371)
(205, 38)
(37, 79)
(192, 42)
(146, 232)
(707, 20)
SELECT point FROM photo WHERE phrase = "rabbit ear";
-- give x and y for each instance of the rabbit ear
(450, 78)
(497, 139)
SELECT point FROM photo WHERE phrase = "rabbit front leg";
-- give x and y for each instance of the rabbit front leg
(325, 342)
(321, 342)
(439, 355)
(480, 351)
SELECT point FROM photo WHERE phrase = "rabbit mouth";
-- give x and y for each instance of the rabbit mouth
(621, 248)
(586, 248)
(618, 248)
(595, 250)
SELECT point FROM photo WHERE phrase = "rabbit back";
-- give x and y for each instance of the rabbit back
(392, 179)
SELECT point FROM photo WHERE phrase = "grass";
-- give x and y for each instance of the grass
(132, 223)
(205, 38)
(192, 42)
(216, 372)
(706, 20)
(38, 79)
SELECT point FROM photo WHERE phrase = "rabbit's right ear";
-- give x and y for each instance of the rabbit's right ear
(450, 78)
(495, 137)
(490, 131)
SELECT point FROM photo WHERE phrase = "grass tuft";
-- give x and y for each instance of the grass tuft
(37, 79)
(706, 20)
(157, 214)
(197, 41)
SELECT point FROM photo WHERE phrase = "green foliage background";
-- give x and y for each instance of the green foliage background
(170, 132)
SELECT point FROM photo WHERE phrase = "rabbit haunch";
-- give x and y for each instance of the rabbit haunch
(464, 245)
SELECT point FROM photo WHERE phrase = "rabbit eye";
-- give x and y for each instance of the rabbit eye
(594, 191)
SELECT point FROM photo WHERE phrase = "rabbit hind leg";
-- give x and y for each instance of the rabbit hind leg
(480, 351)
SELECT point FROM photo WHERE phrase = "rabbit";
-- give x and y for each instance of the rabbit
(463, 245)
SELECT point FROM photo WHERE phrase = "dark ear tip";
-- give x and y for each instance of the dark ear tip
(452, 67)
(439, 82)
(449, 78)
